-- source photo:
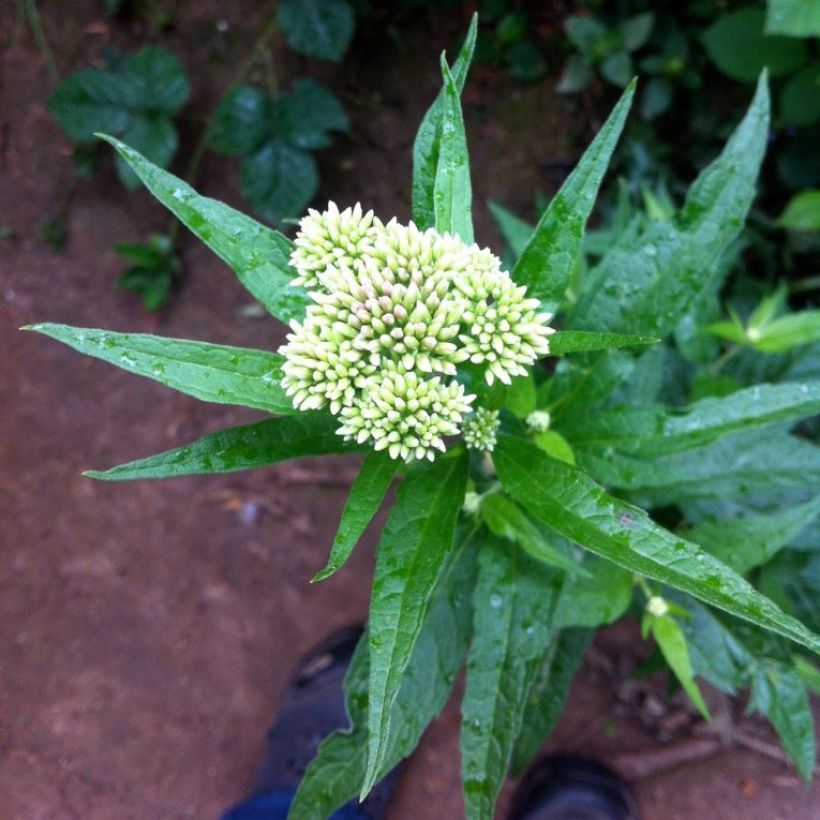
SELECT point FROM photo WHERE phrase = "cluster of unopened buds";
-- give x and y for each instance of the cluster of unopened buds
(395, 310)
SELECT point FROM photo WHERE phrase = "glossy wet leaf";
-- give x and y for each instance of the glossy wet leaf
(216, 373)
(366, 496)
(258, 255)
(335, 775)
(427, 145)
(414, 545)
(239, 448)
(317, 28)
(452, 189)
(548, 693)
(513, 604)
(570, 502)
(547, 261)
(579, 341)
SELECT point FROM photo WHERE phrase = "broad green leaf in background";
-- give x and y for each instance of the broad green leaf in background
(570, 502)
(548, 693)
(793, 580)
(555, 445)
(239, 448)
(737, 45)
(652, 277)
(576, 75)
(242, 120)
(427, 145)
(617, 68)
(796, 18)
(154, 267)
(414, 545)
(547, 261)
(513, 603)
(216, 373)
(672, 642)
(802, 212)
(585, 381)
(366, 496)
(800, 97)
(307, 114)
(521, 397)
(452, 189)
(505, 519)
(515, 231)
(747, 542)
(135, 102)
(258, 255)
(317, 28)
(335, 775)
(599, 597)
(580, 341)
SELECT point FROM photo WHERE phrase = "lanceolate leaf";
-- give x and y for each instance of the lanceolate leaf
(513, 604)
(570, 502)
(366, 495)
(647, 284)
(239, 448)
(414, 545)
(427, 145)
(579, 341)
(258, 255)
(452, 190)
(217, 373)
(334, 776)
(548, 260)
(548, 693)
(599, 597)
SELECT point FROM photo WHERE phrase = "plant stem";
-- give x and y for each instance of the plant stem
(40, 37)
(804, 284)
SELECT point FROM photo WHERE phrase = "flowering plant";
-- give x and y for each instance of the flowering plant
(412, 345)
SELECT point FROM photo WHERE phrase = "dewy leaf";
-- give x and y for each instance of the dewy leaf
(548, 693)
(747, 542)
(155, 138)
(599, 597)
(366, 495)
(258, 255)
(334, 776)
(571, 503)
(580, 341)
(649, 281)
(317, 28)
(216, 373)
(414, 545)
(427, 144)
(795, 18)
(513, 604)
(547, 262)
(452, 189)
(239, 448)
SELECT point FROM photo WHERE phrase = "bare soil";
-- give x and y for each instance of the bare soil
(149, 629)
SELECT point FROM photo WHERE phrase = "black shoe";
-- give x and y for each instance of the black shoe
(570, 788)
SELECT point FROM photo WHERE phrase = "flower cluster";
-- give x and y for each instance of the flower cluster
(395, 311)
(480, 430)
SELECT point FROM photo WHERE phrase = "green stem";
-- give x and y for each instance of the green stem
(725, 357)
(804, 284)
(40, 37)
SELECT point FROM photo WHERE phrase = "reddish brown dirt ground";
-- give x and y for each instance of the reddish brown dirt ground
(149, 629)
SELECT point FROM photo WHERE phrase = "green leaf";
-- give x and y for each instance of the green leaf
(366, 496)
(156, 82)
(548, 693)
(279, 180)
(796, 18)
(617, 69)
(216, 373)
(155, 138)
(317, 28)
(569, 501)
(787, 332)
(652, 430)
(521, 397)
(547, 262)
(672, 643)
(653, 276)
(636, 30)
(737, 45)
(334, 776)
(414, 545)
(584, 32)
(598, 597)
(581, 341)
(257, 254)
(306, 115)
(747, 542)
(427, 145)
(242, 120)
(452, 189)
(506, 520)
(513, 603)
(555, 445)
(239, 448)
(800, 98)
(793, 580)
(802, 212)
(516, 231)
(587, 382)
(576, 75)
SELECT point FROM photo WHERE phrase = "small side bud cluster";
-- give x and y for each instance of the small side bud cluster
(480, 430)
(657, 606)
(539, 421)
(395, 310)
